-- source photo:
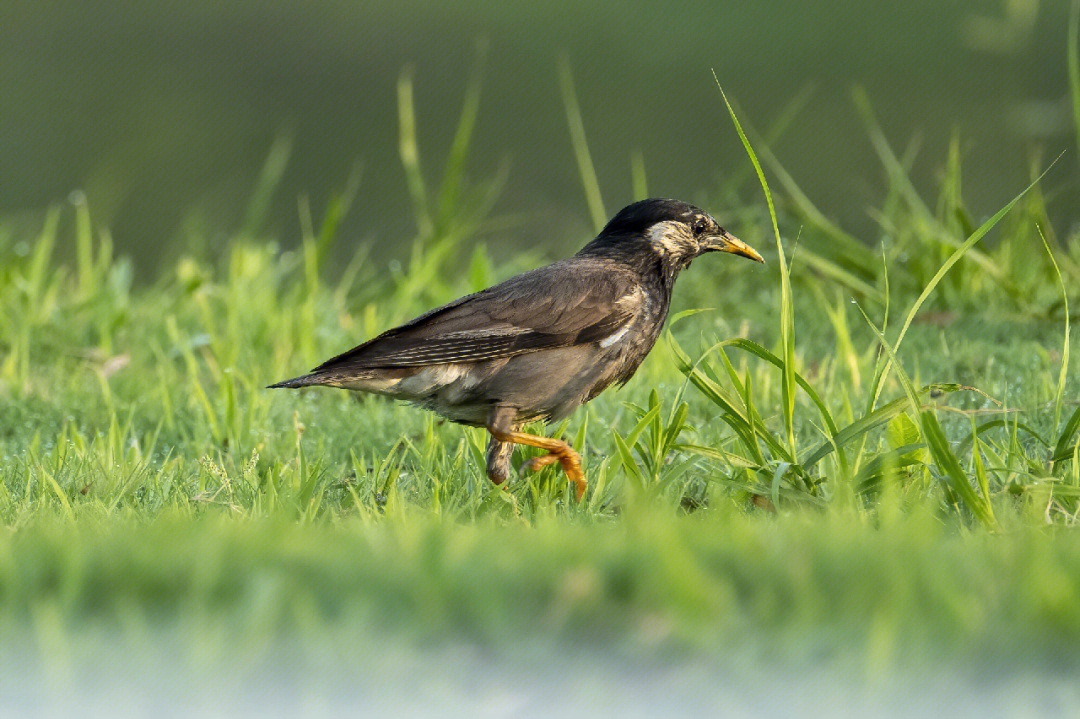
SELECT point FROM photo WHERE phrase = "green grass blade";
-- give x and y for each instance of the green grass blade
(269, 178)
(948, 463)
(454, 171)
(713, 391)
(758, 351)
(409, 151)
(1062, 451)
(970, 242)
(628, 462)
(1063, 373)
(879, 417)
(581, 146)
(899, 458)
(642, 425)
(720, 455)
(936, 442)
(638, 179)
(787, 307)
(747, 428)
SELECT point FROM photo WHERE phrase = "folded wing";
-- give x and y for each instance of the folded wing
(555, 306)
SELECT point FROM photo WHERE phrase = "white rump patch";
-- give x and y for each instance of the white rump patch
(431, 378)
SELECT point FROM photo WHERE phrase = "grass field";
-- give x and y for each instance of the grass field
(860, 453)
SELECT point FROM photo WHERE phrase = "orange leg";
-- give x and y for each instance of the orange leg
(558, 451)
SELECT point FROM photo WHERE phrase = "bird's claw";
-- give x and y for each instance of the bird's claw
(537, 463)
(570, 462)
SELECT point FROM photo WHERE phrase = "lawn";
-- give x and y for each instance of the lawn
(862, 452)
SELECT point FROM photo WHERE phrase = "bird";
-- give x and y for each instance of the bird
(541, 344)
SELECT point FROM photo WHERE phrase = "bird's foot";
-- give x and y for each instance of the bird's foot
(503, 432)
(569, 460)
(537, 463)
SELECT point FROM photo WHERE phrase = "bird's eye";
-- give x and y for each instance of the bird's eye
(699, 227)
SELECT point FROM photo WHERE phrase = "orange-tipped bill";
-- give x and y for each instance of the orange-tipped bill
(727, 242)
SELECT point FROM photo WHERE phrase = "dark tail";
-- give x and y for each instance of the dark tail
(307, 380)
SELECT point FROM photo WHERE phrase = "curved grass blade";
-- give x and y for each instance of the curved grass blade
(787, 308)
(581, 145)
(409, 151)
(1062, 450)
(890, 461)
(992, 424)
(936, 441)
(758, 351)
(870, 422)
(1062, 374)
(731, 458)
(746, 426)
(970, 242)
(453, 172)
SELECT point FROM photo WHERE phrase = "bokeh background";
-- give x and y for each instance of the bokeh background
(176, 539)
(162, 113)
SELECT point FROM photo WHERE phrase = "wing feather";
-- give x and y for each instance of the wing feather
(566, 303)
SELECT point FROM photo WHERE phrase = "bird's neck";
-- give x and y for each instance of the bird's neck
(657, 275)
(655, 272)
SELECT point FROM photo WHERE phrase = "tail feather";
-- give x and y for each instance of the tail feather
(307, 380)
(335, 377)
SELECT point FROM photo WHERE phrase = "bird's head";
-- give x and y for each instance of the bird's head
(673, 231)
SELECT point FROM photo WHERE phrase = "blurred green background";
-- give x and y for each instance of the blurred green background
(167, 522)
(163, 113)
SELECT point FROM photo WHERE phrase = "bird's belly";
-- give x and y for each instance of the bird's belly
(548, 384)
(453, 390)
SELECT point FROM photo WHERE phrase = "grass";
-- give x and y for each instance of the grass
(847, 488)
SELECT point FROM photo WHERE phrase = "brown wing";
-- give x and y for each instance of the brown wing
(574, 301)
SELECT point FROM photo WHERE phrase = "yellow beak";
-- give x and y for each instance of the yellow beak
(727, 242)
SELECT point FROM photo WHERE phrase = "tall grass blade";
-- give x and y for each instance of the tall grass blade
(1062, 451)
(787, 308)
(84, 249)
(947, 462)
(970, 242)
(410, 153)
(637, 176)
(43, 254)
(758, 351)
(453, 173)
(269, 179)
(936, 442)
(1063, 372)
(870, 422)
(581, 146)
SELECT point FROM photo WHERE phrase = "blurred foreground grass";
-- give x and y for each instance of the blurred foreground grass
(805, 587)
(824, 482)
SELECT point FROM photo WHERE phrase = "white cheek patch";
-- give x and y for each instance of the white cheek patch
(669, 238)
